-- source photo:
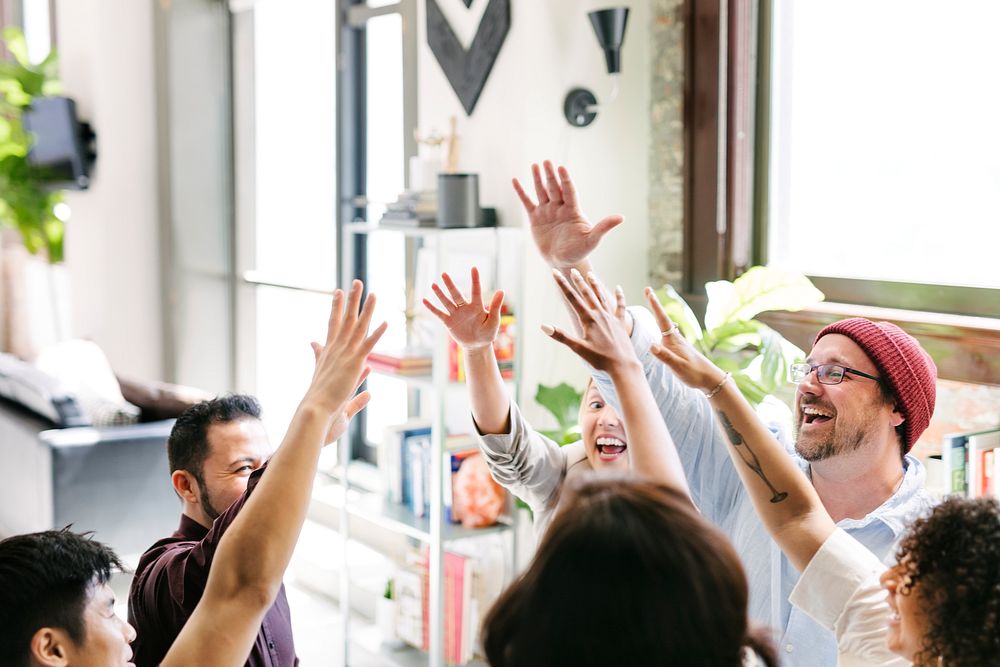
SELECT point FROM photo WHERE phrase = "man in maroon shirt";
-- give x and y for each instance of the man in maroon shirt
(213, 449)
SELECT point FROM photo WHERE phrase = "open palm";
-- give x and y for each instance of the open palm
(562, 233)
(470, 323)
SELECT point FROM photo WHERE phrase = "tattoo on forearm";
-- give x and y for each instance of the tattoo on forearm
(739, 444)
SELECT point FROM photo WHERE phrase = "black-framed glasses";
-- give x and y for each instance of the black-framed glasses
(825, 373)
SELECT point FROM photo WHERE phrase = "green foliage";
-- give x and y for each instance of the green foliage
(563, 401)
(24, 203)
(757, 356)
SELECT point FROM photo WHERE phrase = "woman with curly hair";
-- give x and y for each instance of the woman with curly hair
(943, 603)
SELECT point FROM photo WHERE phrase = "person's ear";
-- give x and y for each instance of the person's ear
(185, 485)
(50, 647)
(897, 416)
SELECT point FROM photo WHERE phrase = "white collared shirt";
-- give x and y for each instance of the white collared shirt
(840, 590)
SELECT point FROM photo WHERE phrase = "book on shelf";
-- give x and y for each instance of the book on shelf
(412, 209)
(460, 617)
(982, 460)
(393, 462)
(408, 361)
(503, 349)
(970, 462)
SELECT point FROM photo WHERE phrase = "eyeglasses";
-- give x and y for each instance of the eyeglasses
(825, 373)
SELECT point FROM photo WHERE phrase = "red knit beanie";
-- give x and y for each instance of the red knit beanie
(905, 368)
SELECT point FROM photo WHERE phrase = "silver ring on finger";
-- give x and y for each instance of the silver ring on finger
(671, 331)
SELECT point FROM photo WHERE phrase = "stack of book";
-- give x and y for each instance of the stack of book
(461, 605)
(409, 361)
(412, 209)
(971, 461)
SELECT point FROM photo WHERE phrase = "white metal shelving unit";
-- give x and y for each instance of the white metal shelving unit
(431, 530)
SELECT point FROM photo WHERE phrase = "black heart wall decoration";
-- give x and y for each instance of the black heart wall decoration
(467, 71)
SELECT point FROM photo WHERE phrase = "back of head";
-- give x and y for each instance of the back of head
(908, 373)
(628, 573)
(954, 561)
(187, 446)
(45, 580)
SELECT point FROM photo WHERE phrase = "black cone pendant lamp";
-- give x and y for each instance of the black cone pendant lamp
(580, 106)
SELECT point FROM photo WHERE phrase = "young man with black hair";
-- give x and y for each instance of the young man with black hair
(57, 605)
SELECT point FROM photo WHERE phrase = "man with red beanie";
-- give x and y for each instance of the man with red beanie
(865, 394)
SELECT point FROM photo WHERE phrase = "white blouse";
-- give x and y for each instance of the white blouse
(840, 590)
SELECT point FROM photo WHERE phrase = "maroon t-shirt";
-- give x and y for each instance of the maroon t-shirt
(170, 580)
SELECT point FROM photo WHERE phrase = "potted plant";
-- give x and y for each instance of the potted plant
(25, 203)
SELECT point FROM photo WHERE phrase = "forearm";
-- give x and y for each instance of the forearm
(487, 393)
(786, 502)
(651, 448)
(258, 545)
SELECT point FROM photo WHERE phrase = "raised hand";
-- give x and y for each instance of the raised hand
(340, 363)
(470, 323)
(342, 420)
(564, 236)
(604, 341)
(687, 363)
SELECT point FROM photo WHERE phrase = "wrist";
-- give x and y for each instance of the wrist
(713, 388)
(627, 371)
(478, 350)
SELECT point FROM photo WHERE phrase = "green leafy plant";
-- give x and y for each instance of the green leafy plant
(25, 204)
(757, 356)
(563, 402)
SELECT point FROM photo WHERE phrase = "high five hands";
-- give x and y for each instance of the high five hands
(340, 362)
(687, 363)
(470, 323)
(564, 236)
(604, 340)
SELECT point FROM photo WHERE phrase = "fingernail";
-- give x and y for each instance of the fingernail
(575, 273)
(548, 330)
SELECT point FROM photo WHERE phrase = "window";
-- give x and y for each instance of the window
(883, 177)
(285, 92)
(867, 131)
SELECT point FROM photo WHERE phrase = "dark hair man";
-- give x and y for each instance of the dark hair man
(56, 607)
(213, 448)
(864, 397)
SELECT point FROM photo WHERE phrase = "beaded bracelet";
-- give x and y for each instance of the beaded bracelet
(718, 387)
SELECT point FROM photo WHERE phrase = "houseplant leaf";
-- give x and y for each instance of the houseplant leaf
(758, 290)
(680, 313)
(563, 401)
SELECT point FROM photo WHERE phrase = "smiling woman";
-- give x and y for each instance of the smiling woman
(531, 466)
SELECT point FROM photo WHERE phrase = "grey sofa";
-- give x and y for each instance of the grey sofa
(114, 481)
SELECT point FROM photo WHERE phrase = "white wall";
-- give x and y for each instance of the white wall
(518, 120)
(106, 64)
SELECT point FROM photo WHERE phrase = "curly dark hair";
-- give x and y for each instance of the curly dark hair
(956, 562)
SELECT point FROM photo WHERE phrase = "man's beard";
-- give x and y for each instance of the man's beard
(843, 439)
(206, 503)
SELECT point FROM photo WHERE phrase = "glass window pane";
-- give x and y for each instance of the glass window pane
(295, 118)
(885, 150)
(385, 167)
